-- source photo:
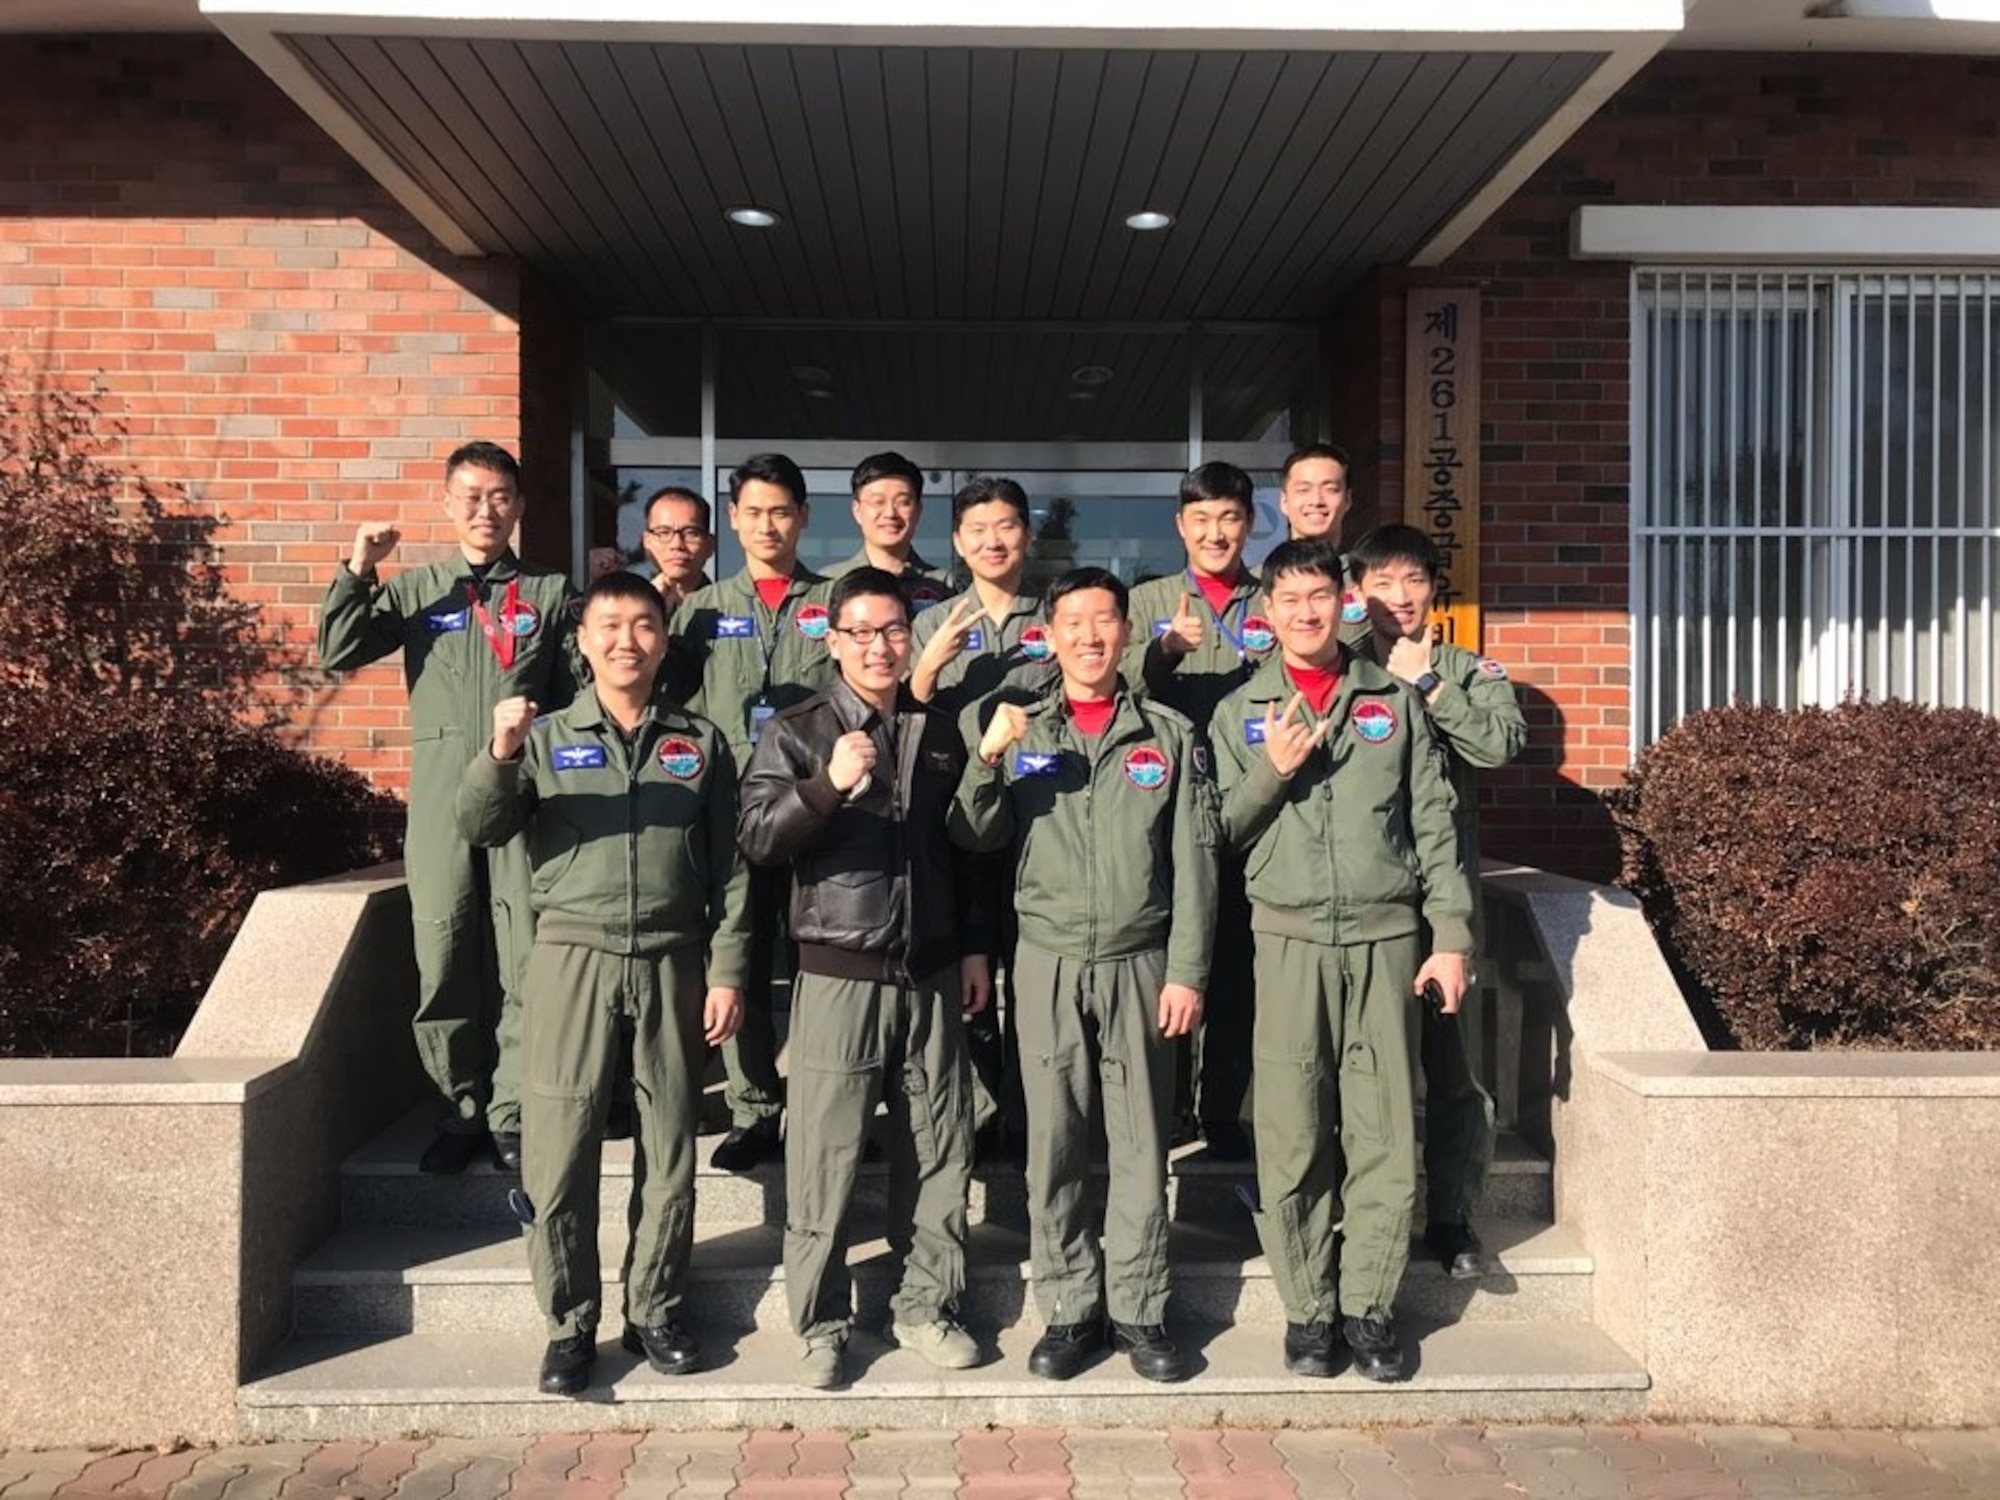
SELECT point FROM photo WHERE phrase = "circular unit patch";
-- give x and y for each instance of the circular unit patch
(1353, 610)
(1035, 644)
(1258, 635)
(1147, 768)
(1488, 667)
(681, 759)
(814, 622)
(924, 593)
(1374, 721)
(524, 619)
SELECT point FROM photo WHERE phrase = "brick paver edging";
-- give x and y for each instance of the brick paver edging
(1492, 1463)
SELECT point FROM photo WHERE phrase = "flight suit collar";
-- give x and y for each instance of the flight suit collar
(1017, 605)
(914, 565)
(586, 712)
(506, 566)
(1245, 587)
(743, 586)
(1126, 719)
(855, 712)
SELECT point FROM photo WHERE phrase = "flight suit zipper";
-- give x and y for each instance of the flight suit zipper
(904, 771)
(633, 761)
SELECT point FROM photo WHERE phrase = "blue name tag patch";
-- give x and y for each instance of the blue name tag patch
(1036, 762)
(734, 628)
(440, 622)
(1253, 731)
(579, 758)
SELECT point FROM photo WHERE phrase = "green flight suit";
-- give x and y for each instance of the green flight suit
(736, 662)
(1217, 1064)
(1115, 885)
(1013, 660)
(641, 903)
(469, 907)
(1345, 862)
(1477, 717)
(925, 583)
(1231, 648)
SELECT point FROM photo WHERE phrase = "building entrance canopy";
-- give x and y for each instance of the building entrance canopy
(951, 160)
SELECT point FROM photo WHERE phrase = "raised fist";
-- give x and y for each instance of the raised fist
(853, 758)
(512, 719)
(373, 541)
(1009, 725)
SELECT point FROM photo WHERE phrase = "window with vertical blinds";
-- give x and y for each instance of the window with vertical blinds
(1814, 490)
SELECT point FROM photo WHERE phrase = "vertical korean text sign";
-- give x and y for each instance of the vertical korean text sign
(1441, 448)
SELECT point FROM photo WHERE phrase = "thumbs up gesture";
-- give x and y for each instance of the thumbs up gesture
(1185, 629)
(512, 719)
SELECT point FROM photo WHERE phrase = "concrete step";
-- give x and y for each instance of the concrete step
(386, 1386)
(476, 1282)
(381, 1186)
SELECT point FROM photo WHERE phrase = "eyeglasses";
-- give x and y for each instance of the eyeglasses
(687, 536)
(493, 503)
(864, 635)
(901, 504)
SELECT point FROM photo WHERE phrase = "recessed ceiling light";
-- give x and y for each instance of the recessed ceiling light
(751, 217)
(1081, 395)
(1091, 374)
(1150, 218)
(820, 393)
(812, 374)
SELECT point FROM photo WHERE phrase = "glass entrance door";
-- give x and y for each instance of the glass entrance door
(1097, 425)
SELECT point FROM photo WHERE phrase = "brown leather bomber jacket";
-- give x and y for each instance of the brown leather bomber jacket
(878, 891)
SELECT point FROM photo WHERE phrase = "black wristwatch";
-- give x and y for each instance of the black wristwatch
(1427, 684)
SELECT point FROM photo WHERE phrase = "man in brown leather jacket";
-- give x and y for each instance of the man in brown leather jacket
(851, 788)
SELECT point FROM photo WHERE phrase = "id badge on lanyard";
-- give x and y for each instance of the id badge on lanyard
(499, 636)
(1234, 637)
(761, 711)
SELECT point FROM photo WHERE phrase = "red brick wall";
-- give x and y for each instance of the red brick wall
(1693, 128)
(282, 340)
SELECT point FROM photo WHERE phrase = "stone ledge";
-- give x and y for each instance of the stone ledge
(123, 1081)
(1805, 1075)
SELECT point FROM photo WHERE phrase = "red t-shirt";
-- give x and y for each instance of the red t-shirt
(1215, 590)
(1092, 715)
(773, 590)
(1319, 684)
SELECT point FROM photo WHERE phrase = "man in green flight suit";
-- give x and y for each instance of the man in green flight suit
(888, 504)
(1197, 635)
(473, 631)
(1473, 709)
(641, 906)
(739, 651)
(986, 645)
(1335, 790)
(1312, 493)
(1109, 799)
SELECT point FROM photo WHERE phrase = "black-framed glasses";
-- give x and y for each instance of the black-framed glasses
(687, 536)
(864, 635)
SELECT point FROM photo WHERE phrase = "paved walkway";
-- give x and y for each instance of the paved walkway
(1496, 1463)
